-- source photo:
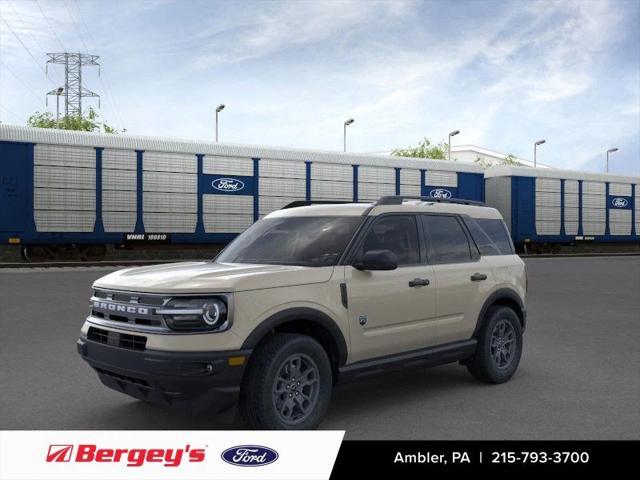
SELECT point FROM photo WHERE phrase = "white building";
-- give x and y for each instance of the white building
(470, 153)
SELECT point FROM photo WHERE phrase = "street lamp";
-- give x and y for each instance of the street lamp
(58, 93)
(535, 147)
(451, 134)
(218, 110)
(611, 150)
(344, 137)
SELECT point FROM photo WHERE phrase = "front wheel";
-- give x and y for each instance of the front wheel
(287, 385)
(499, 346)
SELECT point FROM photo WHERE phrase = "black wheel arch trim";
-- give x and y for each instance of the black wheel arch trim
(495, 297)
(304, 314)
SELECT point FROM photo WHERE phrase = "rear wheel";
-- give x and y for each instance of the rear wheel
(499, 346)
(287, 385)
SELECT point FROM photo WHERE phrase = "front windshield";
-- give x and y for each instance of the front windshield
(304, 241)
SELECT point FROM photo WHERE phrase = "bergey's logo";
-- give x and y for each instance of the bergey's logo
(227, 184)
(440, 193)
(249, 455)
(619, 202)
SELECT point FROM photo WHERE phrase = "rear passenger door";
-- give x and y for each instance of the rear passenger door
(462, 277)
(391, 311)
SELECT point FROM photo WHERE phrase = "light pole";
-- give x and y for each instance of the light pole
(218, 110)
(535, 152)
(451, 134)
(344, 136)
(611, 150)
(58, 93)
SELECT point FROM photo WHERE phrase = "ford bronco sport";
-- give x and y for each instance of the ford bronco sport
(309, 296)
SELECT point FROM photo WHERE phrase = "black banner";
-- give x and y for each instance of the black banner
(413, 459)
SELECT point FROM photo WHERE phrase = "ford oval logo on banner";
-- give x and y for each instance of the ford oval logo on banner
(619, 202)
(249, 455)
(440, 193)
(228, 184)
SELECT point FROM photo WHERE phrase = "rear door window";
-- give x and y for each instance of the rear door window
(397, 233)
(491, 236)
(447, 241)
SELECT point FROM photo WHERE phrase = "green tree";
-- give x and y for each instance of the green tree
(510, 159)
(424, 149)
(85, 123)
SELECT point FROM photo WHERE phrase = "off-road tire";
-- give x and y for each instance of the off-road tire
(257, 405)
(484, 366)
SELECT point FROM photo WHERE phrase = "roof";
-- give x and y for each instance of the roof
(508, 171)
(413, 206)
(493, 153)
(176, 145)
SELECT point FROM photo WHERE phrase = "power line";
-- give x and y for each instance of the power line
(9, 111)
(27, 49)
(75, 27)
(24, 84)
(106, 84)
(50, 26)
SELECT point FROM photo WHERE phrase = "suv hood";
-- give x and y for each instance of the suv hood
(208, 277)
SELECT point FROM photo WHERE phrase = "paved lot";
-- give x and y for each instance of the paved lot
(578, 377)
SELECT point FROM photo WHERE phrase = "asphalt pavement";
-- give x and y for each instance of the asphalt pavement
(579, 376)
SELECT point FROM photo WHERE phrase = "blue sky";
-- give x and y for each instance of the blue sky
(504, 73)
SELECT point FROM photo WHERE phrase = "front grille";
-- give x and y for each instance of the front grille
(124, 378)
(115, 339)
(129, 308)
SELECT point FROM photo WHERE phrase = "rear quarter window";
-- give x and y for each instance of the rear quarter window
(491, 236)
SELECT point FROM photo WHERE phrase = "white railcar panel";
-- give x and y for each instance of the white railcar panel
(571, 186)
(594, 215)
(548, 227)
(242, 204)
(119, 201)
(620, 189)
(283, 187)
(439, 178)
(216, 165)
(594, 201)
(413, 190)
(571, 200)
(593, 228)
(547, 213)
(620, 222)
(226, 223)
(616, 228)
(271, 204)
(331, 190)
(547, 185)
(119, 179)
(331, 171)
(409, 176)
(169, 222)
(119, 221)
(169, 162)
(64, 156)
(119, 159)
(548, 199)
(64, 177)
(373, 191)
(571, 228)
(64, 220)
(368, 174)
(170, 202)
(498, 195)
(169, 182)
(282, 169)
(64, 199)
(571, 214)
(594, 188)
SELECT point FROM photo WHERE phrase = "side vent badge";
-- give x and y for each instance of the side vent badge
(362, 320)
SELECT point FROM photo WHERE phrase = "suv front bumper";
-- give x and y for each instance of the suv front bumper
(192, 380)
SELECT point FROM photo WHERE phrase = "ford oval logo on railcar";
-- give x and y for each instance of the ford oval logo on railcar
(249, 455)
(228, 184)
(440, 193)
(619, 202)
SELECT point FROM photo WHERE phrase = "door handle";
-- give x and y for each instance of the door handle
(419, 282)
(477, 277)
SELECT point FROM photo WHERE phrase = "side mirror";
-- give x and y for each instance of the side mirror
(377, 260)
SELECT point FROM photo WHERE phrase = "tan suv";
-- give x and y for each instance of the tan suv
(310, 296)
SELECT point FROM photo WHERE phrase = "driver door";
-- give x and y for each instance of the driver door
(388, 311)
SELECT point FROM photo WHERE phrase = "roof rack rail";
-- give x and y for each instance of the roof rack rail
(398, 199)
(307, 203)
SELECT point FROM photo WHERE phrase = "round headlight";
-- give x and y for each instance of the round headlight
(212, 312)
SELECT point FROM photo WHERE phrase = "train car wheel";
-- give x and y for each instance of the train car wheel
(92, 253)
(35, 253)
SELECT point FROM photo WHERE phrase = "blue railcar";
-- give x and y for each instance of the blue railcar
(557, 207)
(65, 188)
